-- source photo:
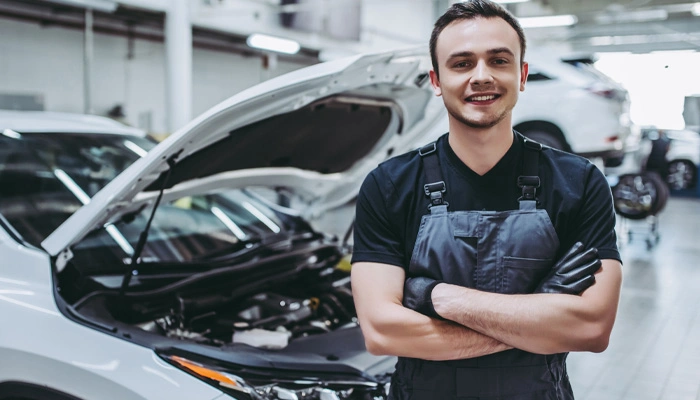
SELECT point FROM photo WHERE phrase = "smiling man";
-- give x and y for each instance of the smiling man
(482, 259)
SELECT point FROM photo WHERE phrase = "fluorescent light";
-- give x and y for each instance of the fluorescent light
(235, 229)
(71, 185)
(632, 16)
(548, 21)
(135, 148)
(696, 9)
(262, 217)
(11, 134)
(640, 39)
(271, 43)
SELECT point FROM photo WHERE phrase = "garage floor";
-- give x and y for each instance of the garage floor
(654, 352)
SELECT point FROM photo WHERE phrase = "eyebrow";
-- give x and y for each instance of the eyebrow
(497, 50)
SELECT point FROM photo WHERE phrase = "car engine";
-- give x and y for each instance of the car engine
(268, 319)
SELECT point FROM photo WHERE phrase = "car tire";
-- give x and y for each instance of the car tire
(546, 138)
(682, 174)
(637, 196)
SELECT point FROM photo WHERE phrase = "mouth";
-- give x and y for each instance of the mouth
(482, 98)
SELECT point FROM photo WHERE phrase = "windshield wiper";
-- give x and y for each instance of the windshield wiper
(143, 237)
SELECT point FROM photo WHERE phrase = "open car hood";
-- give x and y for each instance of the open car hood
(317, 131)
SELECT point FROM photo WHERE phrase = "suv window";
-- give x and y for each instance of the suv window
(46, 177)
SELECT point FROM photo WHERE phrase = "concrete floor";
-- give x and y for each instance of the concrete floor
(654, 352)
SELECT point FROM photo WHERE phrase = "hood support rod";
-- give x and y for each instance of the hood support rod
(135, 258)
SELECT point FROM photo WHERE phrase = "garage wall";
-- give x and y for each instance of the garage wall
(48, 61)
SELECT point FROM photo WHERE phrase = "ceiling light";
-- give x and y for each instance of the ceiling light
(696, 9)
(271, 43)
(548, 21)
(632, 16)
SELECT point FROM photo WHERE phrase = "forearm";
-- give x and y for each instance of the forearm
(399, 331)
(390, 328)
(539, 323)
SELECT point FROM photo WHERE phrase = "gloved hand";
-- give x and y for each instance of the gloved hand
(417, 295)
(573, 273)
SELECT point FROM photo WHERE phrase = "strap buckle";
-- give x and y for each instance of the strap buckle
(532, 145)
(427, 149)
(435, 187)
(529, 185)
(434, 191)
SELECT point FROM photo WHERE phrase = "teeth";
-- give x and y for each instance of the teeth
(483, 98)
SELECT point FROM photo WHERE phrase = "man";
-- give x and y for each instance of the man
(482, 228)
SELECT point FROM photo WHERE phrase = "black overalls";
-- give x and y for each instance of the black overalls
(493, 251)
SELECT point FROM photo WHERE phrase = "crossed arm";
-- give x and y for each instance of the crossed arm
(391, 329)
(487, 322)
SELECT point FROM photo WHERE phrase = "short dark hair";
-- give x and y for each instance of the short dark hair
(472, 9)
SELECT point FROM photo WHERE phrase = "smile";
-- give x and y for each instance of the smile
(483, 97)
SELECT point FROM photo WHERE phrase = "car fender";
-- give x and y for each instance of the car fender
(40, 346)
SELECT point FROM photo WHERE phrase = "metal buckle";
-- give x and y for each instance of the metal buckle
(434, 187)
(428, 149)
(529, 143)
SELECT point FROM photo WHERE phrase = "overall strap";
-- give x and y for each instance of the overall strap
(529, 181)
(435, 188)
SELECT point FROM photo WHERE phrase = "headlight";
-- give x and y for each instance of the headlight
(261, 387)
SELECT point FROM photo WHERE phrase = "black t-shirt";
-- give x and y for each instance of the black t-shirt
(391, 202)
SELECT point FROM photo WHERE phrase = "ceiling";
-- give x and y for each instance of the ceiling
(639, 26)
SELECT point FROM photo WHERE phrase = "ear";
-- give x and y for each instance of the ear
(435, 82)
(525, 69)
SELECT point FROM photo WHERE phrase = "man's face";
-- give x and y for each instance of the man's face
(480, 71)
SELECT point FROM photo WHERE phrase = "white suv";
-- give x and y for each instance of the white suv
(569, 105)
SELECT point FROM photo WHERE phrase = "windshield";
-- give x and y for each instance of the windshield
(188, 229)
(46, 177)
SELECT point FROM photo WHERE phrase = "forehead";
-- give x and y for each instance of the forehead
(477, 35)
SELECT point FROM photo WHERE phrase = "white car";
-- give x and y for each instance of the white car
(574, 107)
(136, 271)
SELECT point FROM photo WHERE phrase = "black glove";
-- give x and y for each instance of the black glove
(417, 295)
(573, 273)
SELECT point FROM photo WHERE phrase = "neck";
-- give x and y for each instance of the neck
(480, 149)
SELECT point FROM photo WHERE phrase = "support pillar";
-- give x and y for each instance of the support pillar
(178, 64)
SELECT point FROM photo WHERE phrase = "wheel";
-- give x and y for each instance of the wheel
(681, 175)
(546, 138)
(637, 196)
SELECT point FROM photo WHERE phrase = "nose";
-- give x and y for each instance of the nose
(482, 74)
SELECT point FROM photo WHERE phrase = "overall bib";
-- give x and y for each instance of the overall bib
(494, 251)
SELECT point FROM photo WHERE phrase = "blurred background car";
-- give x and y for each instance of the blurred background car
(678, 161)
(570, 105)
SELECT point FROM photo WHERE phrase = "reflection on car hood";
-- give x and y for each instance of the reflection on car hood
(306, 130)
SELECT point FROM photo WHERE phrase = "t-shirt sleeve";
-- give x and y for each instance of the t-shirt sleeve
(596, 219)
(376, 238)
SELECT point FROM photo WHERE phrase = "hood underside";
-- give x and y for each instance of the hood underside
(327, 136)
(320, 130)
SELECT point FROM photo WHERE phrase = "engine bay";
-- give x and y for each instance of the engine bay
(266, 301)
(265, 320)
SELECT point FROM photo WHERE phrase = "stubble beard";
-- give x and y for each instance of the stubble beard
(482, 123)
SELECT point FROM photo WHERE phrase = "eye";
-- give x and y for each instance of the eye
(461, 64)
(500, 61)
